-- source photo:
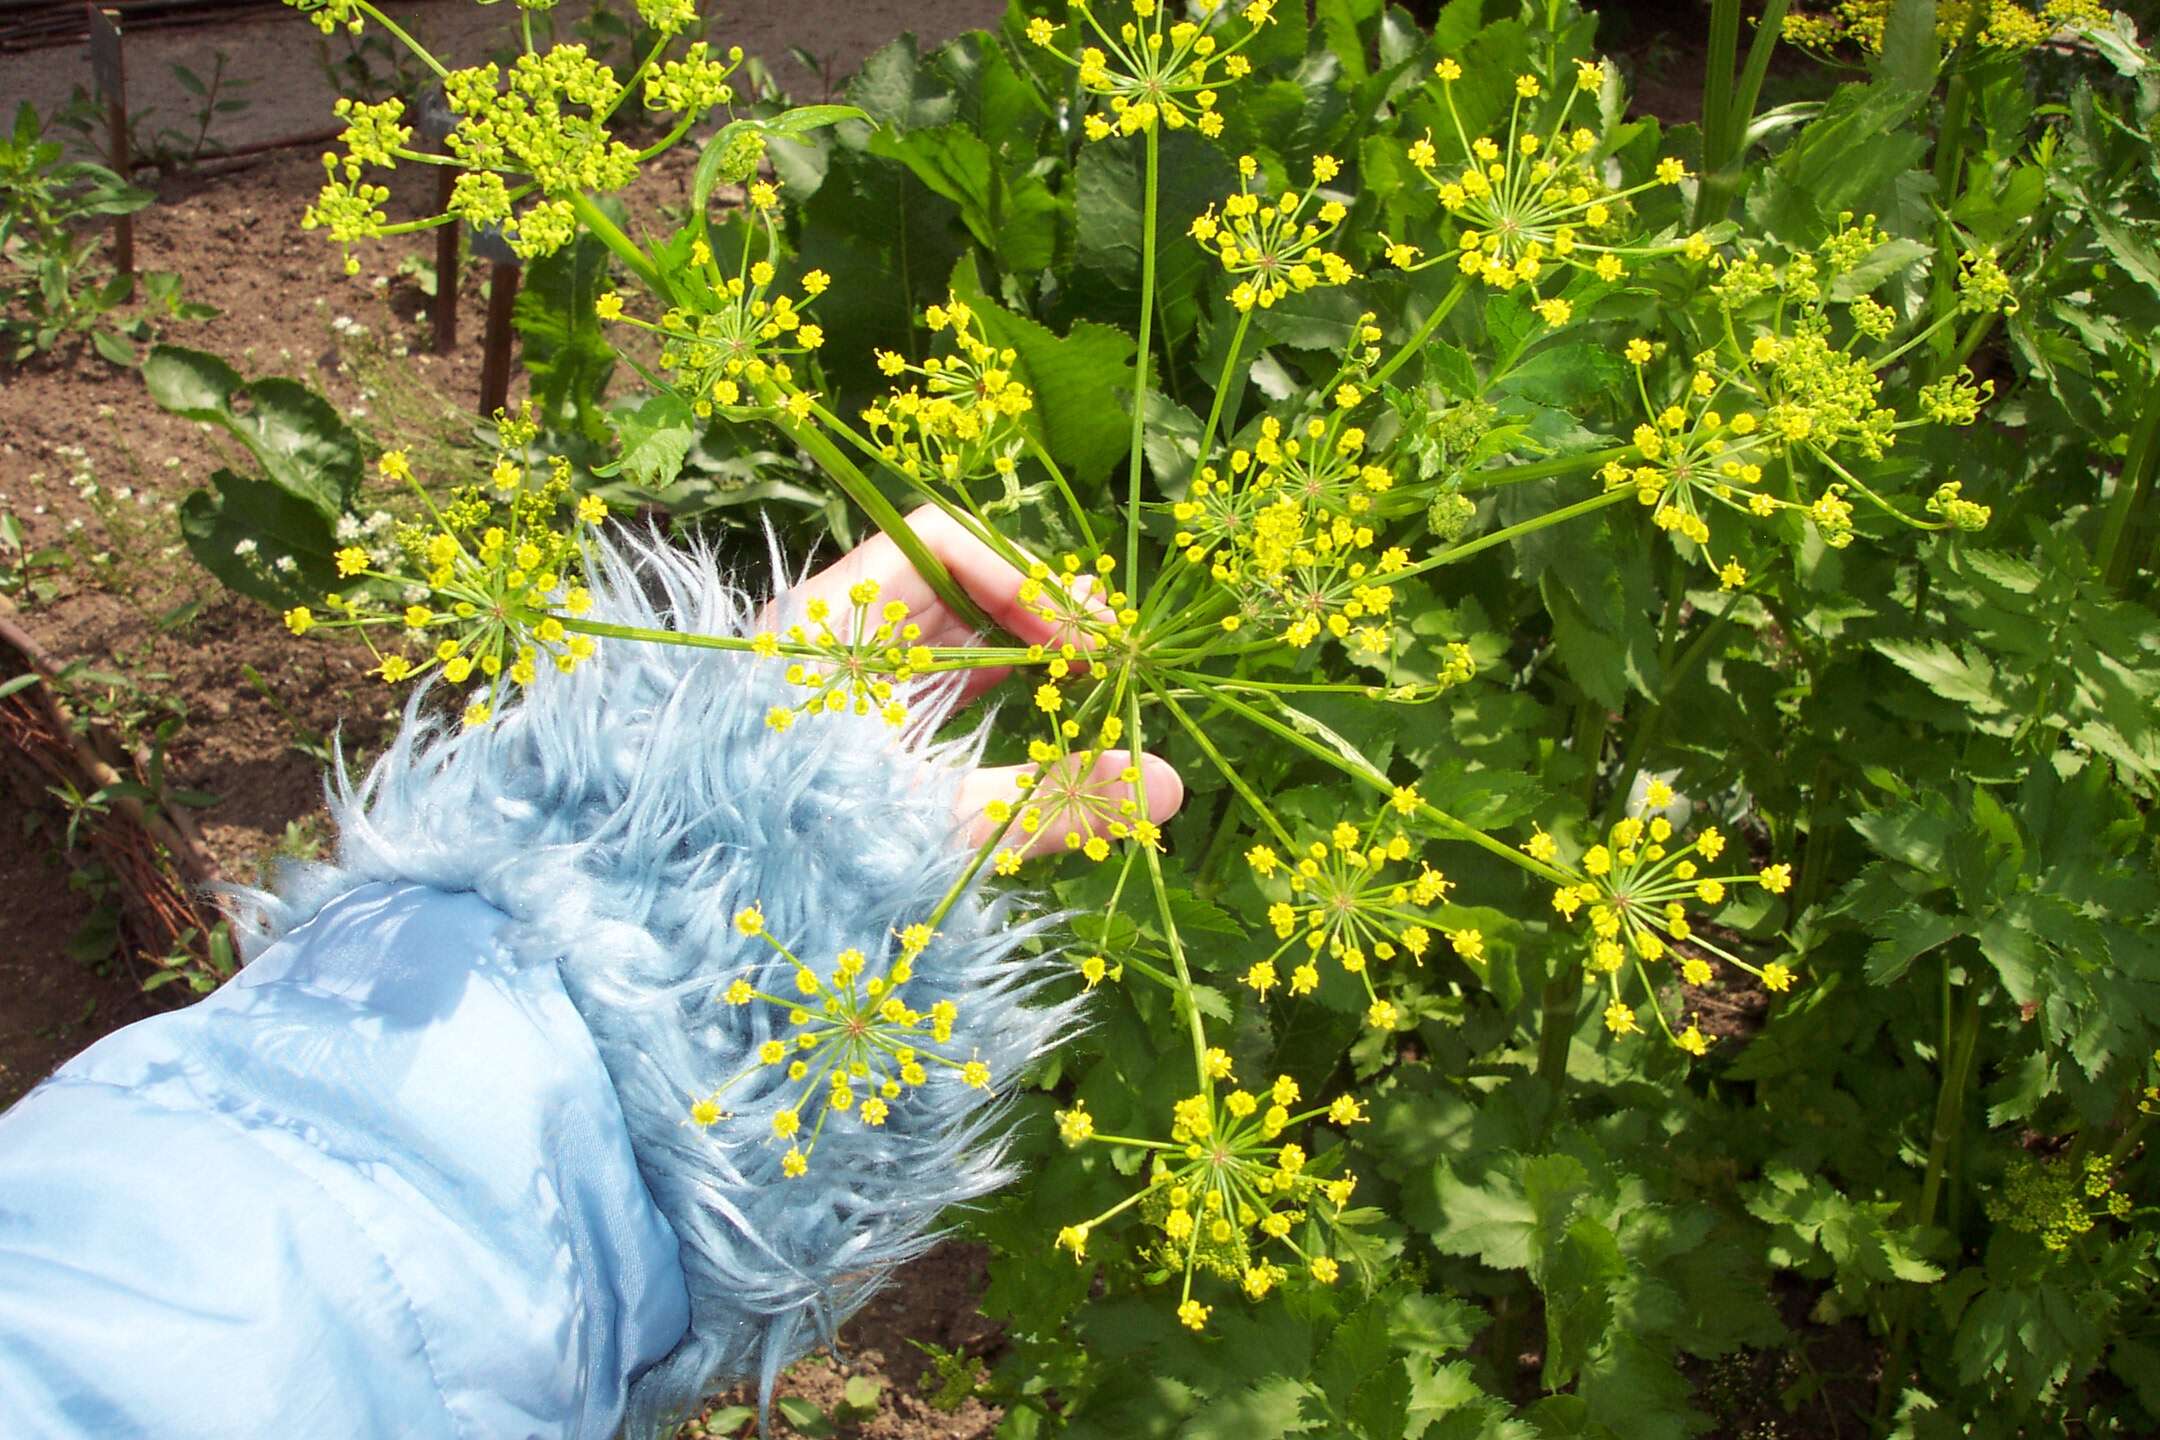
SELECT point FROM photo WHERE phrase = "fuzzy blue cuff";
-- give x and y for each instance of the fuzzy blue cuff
(620, 816)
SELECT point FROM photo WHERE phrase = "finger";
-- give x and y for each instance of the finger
(981, 572)
(1164, 789)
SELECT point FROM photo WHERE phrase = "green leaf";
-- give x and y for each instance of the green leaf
(240, 532)
(655, 438)
(1909, 53)
(1107, 191)
(1958, 678)
(1904, 938)
(1861, 142)
(1015, 217)
(294, 434)
(1578, 1274)
(894, 90)
(804, 1416)
(114, 348)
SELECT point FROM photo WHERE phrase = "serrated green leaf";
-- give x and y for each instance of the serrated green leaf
(655, 439)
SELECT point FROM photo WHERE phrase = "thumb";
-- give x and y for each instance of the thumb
(1062, 806)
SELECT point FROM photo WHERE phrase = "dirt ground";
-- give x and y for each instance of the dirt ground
(90, 468)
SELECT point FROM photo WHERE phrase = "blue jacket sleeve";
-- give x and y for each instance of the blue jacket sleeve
(424, 1167)
(378, 1185)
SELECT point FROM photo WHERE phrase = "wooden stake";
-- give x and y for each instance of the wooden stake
(495, 365)
(446, 266)
(109, 74)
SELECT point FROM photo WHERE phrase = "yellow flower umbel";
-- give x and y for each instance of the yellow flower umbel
(1227, 1194)
(857, 667)
(1533, 202)
(1793, 379)
(1354, 898)
(483, 579)
(736, 343)
(962, 423)
(1636, 891)
(1276, 246)
(531, 141)
(849, 1045)
(1286, 529)
(1153, 70)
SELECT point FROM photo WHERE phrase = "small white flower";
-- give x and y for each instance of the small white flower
(244, 547)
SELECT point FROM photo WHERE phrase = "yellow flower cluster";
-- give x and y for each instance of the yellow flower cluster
(1153, 70)
(851, 1042)
(1227, 1193)
(2004, 24)
(735, 345)
(963, 421)
(543, 122)
(2058, 1199)
(1354, 898)
(1534, 202)
(1635, 890)
(1276, 246)
(858, 667)
(488, 579)
(1286, 527)
(1803, 385)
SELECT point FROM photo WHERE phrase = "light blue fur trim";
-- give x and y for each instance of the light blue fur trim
(621, 815)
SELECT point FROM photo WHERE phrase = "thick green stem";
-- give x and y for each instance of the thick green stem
(1950, 1102)
(1949, 160)
(1957, 1063)
(1140, 364)
(1725, 138)
(887, 517)
(1185, 998)
(626, 250)
(1544, 469)
(2127, 513)
(1516, 531)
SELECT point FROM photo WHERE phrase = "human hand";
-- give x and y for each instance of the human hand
(994, 585)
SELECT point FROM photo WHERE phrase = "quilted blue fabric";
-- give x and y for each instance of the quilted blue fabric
(378, 1185)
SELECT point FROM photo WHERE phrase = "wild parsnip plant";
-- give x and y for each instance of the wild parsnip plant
(1661, 747)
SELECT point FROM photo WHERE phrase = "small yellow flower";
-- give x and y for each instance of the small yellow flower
(750, 920)
(705, 1114)
(794, 1163)
(608, 306)
(1777, 976)
(299, 619)
(1192, 1315)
